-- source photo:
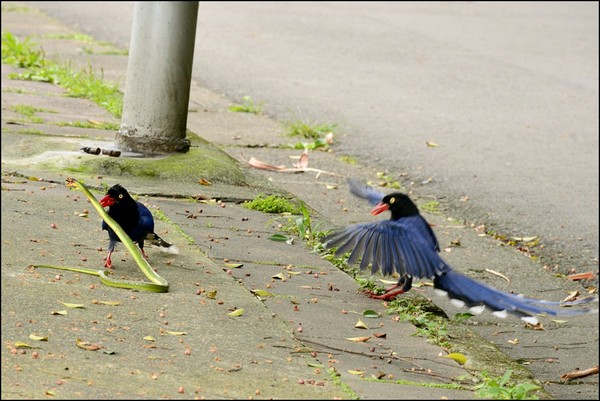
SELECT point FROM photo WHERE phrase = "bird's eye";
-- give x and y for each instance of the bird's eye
(120, 196)
(392, 200)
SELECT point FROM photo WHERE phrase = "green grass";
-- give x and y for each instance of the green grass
(30, 131)
(451, 386)
(432, 207)
(108, 48)
(111, 51)
(272, 204)
(87, 83)
(429, 319)
(20, 53)
(308, 130)
(314, 136)
(500, 388)
(335, 378)
(388, 182)
(15, 8)
(303, 227)
(29, 112)
(248, 106)
(18, 90)
(349, 160)
(89, 124)
(71, 36)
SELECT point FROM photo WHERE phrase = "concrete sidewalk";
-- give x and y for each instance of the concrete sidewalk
(184, 344)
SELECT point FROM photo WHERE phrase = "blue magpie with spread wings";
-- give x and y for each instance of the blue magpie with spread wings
(407, 245)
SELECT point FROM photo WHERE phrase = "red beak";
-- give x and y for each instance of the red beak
(379, 208)
(107, 201)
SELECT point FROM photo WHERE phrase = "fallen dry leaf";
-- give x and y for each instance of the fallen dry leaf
(110, 303)
(38, 338)
(303, 161)
(69, 305)
(176, 333)
(254, 162)
(572, 296)
(358, 339)
(237, 312)
(457, 357)
(361, 325)
(538, 326)
(20, 344)
(356, 372)
(87, 346)
(581, 276)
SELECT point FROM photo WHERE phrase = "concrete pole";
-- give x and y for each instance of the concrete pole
(159, 74)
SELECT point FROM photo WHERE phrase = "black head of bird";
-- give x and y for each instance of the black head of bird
(123, 208)
(117, 195)
(399, 204)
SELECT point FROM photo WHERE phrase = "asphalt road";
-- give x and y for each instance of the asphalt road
(509, 92)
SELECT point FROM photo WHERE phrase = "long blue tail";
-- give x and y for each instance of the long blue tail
(475, 294)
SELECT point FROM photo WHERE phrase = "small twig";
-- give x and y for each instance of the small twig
(498, 274)
(576, 374)
(581, 276)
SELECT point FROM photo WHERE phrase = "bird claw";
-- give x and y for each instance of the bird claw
(108, 263)
(389, 294)
(385, 296)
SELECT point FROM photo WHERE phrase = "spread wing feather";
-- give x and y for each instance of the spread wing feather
(406, 246)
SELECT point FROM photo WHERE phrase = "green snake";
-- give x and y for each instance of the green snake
(157, 284)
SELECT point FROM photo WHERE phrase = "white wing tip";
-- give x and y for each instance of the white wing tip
(477, 310)
(530, 319)
(457, 303)
(170, 249)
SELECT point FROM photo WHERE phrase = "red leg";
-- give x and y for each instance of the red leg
(389, 293)
(405, 284)
(108, 262)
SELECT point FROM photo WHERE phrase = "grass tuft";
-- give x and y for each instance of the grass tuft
(86, 84)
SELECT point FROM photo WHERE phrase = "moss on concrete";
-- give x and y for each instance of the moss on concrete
(272, 204)
(203, 161)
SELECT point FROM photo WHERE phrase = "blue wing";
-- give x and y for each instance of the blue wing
(145, 225)
(407, 246)
(363, 191)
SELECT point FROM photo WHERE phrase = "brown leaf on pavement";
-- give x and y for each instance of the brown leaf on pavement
(580, 276)
(303, 160)
(87, 346)
(254, 162)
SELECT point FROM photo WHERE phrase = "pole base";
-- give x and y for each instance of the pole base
(131, 140)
